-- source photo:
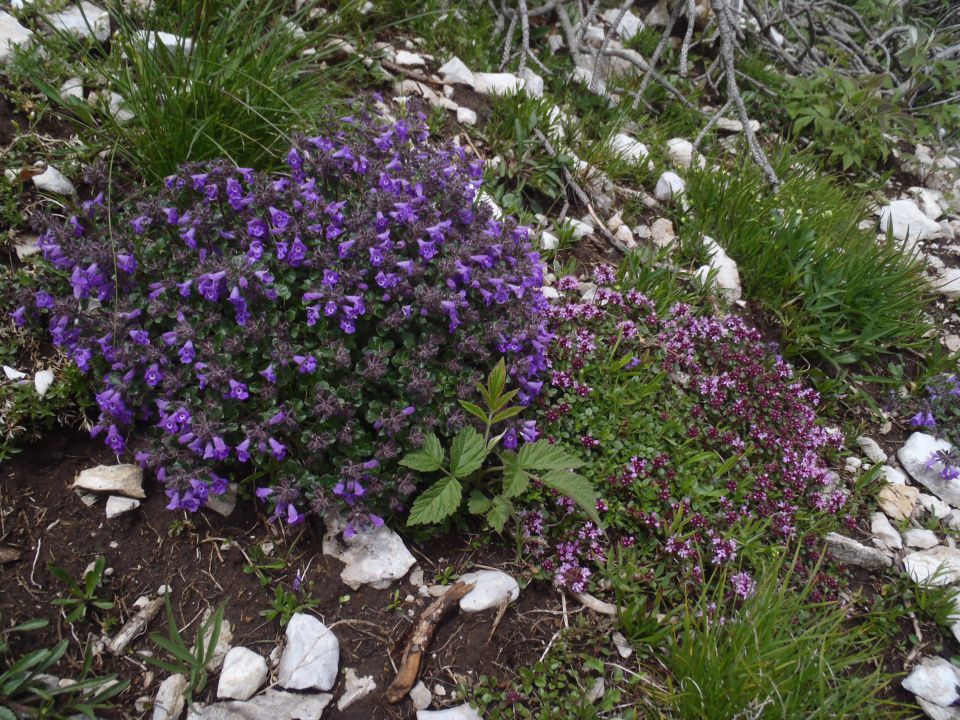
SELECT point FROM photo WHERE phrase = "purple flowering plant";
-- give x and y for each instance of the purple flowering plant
(298, 330)
(703, 445)
(939, 414)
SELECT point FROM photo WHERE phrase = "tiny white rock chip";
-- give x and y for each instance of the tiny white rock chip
(123, 479)
(920, 538)
(849, 551)
(354, 688)
(915, 455)
(466, 116)
(884, 532)
(421, 696)
(170, 699)
(626, 147)
(461, 712)
(935, 680)
(941, 561)
(491, 589)
(52, 180)
(871, 450)
(117, 506)
(244, 672)
(455, 72)
(497, 83)
(668, 185)
(12, 33)
(375, 558)
(908, 222)
(311, 657)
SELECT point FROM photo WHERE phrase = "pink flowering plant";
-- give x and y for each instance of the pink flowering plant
(703, 445)
(300, 330)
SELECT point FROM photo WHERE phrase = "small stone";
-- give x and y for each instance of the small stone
(623, 647)
(126, 480)
(952, 342)
(624, 238)
(853, 463)
(72, 88)
(170, 41)
(898, 501)
(628, 149)
(12, 34)
(83, 20)
(311, 657)
(596, 691)
(871, 450)
(244, 672)
(680, 152)
(52, 180)
(354, 688)
(118, 109)
(727, 277)
(947, 282)
(26, 246)
(532, 83)
(549, 241)
(594, 35)
(849, 551)
(421, 696)
(920, 538)
(439, 690)
(936, 566)
(907, 222)
(550, 293)
(884, 533)
(933, 505)
(409, 59)
(466, 116)
(580, 228)
(117, 506)
(170, 699)
(220, 650)
(12, 374)
(669, 185)
(455, 72)
(164, 590)
(42, 380)
(223, 504)
(628, 26)
(935, 680)
(892, 475)
(491, 589)
(461, 712)
(375, 557)
(497, 83)
(661, 232)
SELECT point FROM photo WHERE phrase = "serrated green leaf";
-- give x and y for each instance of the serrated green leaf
(439, 501)
(428, 458)
(474, 410)
(506, 414)
(515, 478)
(6, 713)
(497, 380)
(541, 455)
(500, 511)
(467, 452)
(505, 398)
(575, 487)
(478, 503)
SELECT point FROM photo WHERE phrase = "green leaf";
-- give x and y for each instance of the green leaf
(500, 511)
(474, 410)
(575, 487)
(6, 714)
(515, 478)
(428, 458)
(439, 501)
(506, 414)
(29, 625)
(497, 380)
(541, 455)
(467, 452)
(478, 503)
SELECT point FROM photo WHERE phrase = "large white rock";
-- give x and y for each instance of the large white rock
(117, 506)
(908, 221)
(375, 558)
(920, 538)
(935, 680)
(83, 20)
(931, 202)
(354, 688)
(849, 551)
(497, 83)
(884, 533)
(461, 712)
(244, 672)
(170, 699)
(52, 180)
(311, 657)
(455, 72)
(727, 278)
(124, 480)
(491, 588)
(668, 185)
(626, 147)
(942, 561)
(914, 457)
(680, 152)
(12, 34)
(271, 705)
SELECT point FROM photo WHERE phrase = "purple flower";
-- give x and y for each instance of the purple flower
(153, 376)
(743, 585)
(924, 418)
(307, 364)
(238, 390)
(278, 449)
(257, 228)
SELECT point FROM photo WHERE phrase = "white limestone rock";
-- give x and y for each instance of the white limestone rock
(907, 221)
(126, 480)
(311, 656)
(624, 146)
(155, 38)
(920, 538)
(662, 234)
(461, 712)
(376, 557)
(680, 152)
(421, 696)
(849, 551)
(936, 566)
(270, 705)
(532, 83)
(871, 450)
(914, 457)
(668, 185)
(549, 241)
(83, 20)
(455, 72)
(893, 475)
(52, 180)
(497, 83)
(628, 26)
(947, 282)
(898, 501)
(884, 533)
(727, 278)
(72, 89)
(409, 59)
(933, 505)
(117, 506)
(354, 688)
(935, 680)
(931, 202)
(42, 380)
(223, 504)
(170, 699)
(12, 34)
(244, 672)
(466, 116)
(491, 589)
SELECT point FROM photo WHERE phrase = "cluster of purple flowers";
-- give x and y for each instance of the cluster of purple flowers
(311, 325)
(712, 391)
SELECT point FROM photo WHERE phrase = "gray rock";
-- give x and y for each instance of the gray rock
(376, 558)
(83, 20)
(461, 712)
(680, 152)
(920, 538)
(914, 456)
(491, 588)
(224, 504)
(935, 680)
(849, 551)
(52, 180)
(421, 696)
(937, 566)
(271, 705)
(669, 185)
(170, 699)
(871, 449)
(126, 480)
(117, 506)
(907, 222)
(884, 532)
(12, 34)
(354, 688)
(244, 672)
(311, 657)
